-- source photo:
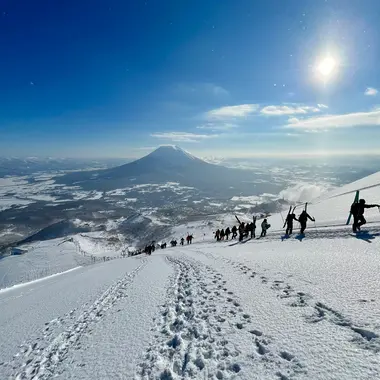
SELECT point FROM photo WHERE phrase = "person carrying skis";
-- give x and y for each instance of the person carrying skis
(227, 232)
(289, 223)
(222, 234)
(264, 227)
(303, 220)
(234, 232)
(217, 235)
(357, 211)
(182, 241)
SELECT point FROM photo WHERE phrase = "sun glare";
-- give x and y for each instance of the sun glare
(326, 66)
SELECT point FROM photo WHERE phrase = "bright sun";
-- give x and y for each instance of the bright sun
(326, 66)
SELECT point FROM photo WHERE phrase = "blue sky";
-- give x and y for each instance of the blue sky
(219, 78)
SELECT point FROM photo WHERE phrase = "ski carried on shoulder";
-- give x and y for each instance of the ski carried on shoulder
(286, 219)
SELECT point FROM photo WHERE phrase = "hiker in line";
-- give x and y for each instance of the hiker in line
(189, 239)
(264, 227)
(182, 241)
(247, 229)
(234, 232)
(217, 235)
(357, 211)
(222, 234)
(241, 231)
(253, 229)
(303, 220)
(289, 223)
(227, 232)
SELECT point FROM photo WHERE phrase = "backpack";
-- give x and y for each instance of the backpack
(354, 208)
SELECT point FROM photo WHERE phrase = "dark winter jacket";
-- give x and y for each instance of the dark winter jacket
(290, 218)
(304, 216)
(357, 209)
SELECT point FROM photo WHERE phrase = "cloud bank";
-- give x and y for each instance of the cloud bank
(302, 192)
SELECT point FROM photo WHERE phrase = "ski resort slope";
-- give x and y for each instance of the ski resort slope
(272, 308)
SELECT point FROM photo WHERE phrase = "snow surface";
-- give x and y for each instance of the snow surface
(271, 308)
(41, 259)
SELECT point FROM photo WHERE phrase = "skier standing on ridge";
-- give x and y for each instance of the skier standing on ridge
(303, 220)
(357, 211)
(289, 223)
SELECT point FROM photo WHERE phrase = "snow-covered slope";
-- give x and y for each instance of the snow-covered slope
(333, 207)
(41, 259)
(270, 308)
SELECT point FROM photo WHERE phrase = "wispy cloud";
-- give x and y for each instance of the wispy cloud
(322, 106)
(288, 110)
(358, 119)
(217, 126)
(238, 111)
(183, 136)
(200, 89)
(370, 91)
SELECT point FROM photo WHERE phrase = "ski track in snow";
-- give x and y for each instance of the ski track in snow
(362, 336)
(199, 333)
(40, 359)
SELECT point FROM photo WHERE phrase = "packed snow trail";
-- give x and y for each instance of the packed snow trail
(203, 332)
(320, 298)
(268, 309)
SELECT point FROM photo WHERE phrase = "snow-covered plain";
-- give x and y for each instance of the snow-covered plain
(273, 308)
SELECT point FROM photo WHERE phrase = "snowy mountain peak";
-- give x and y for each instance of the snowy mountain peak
(171, 152)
